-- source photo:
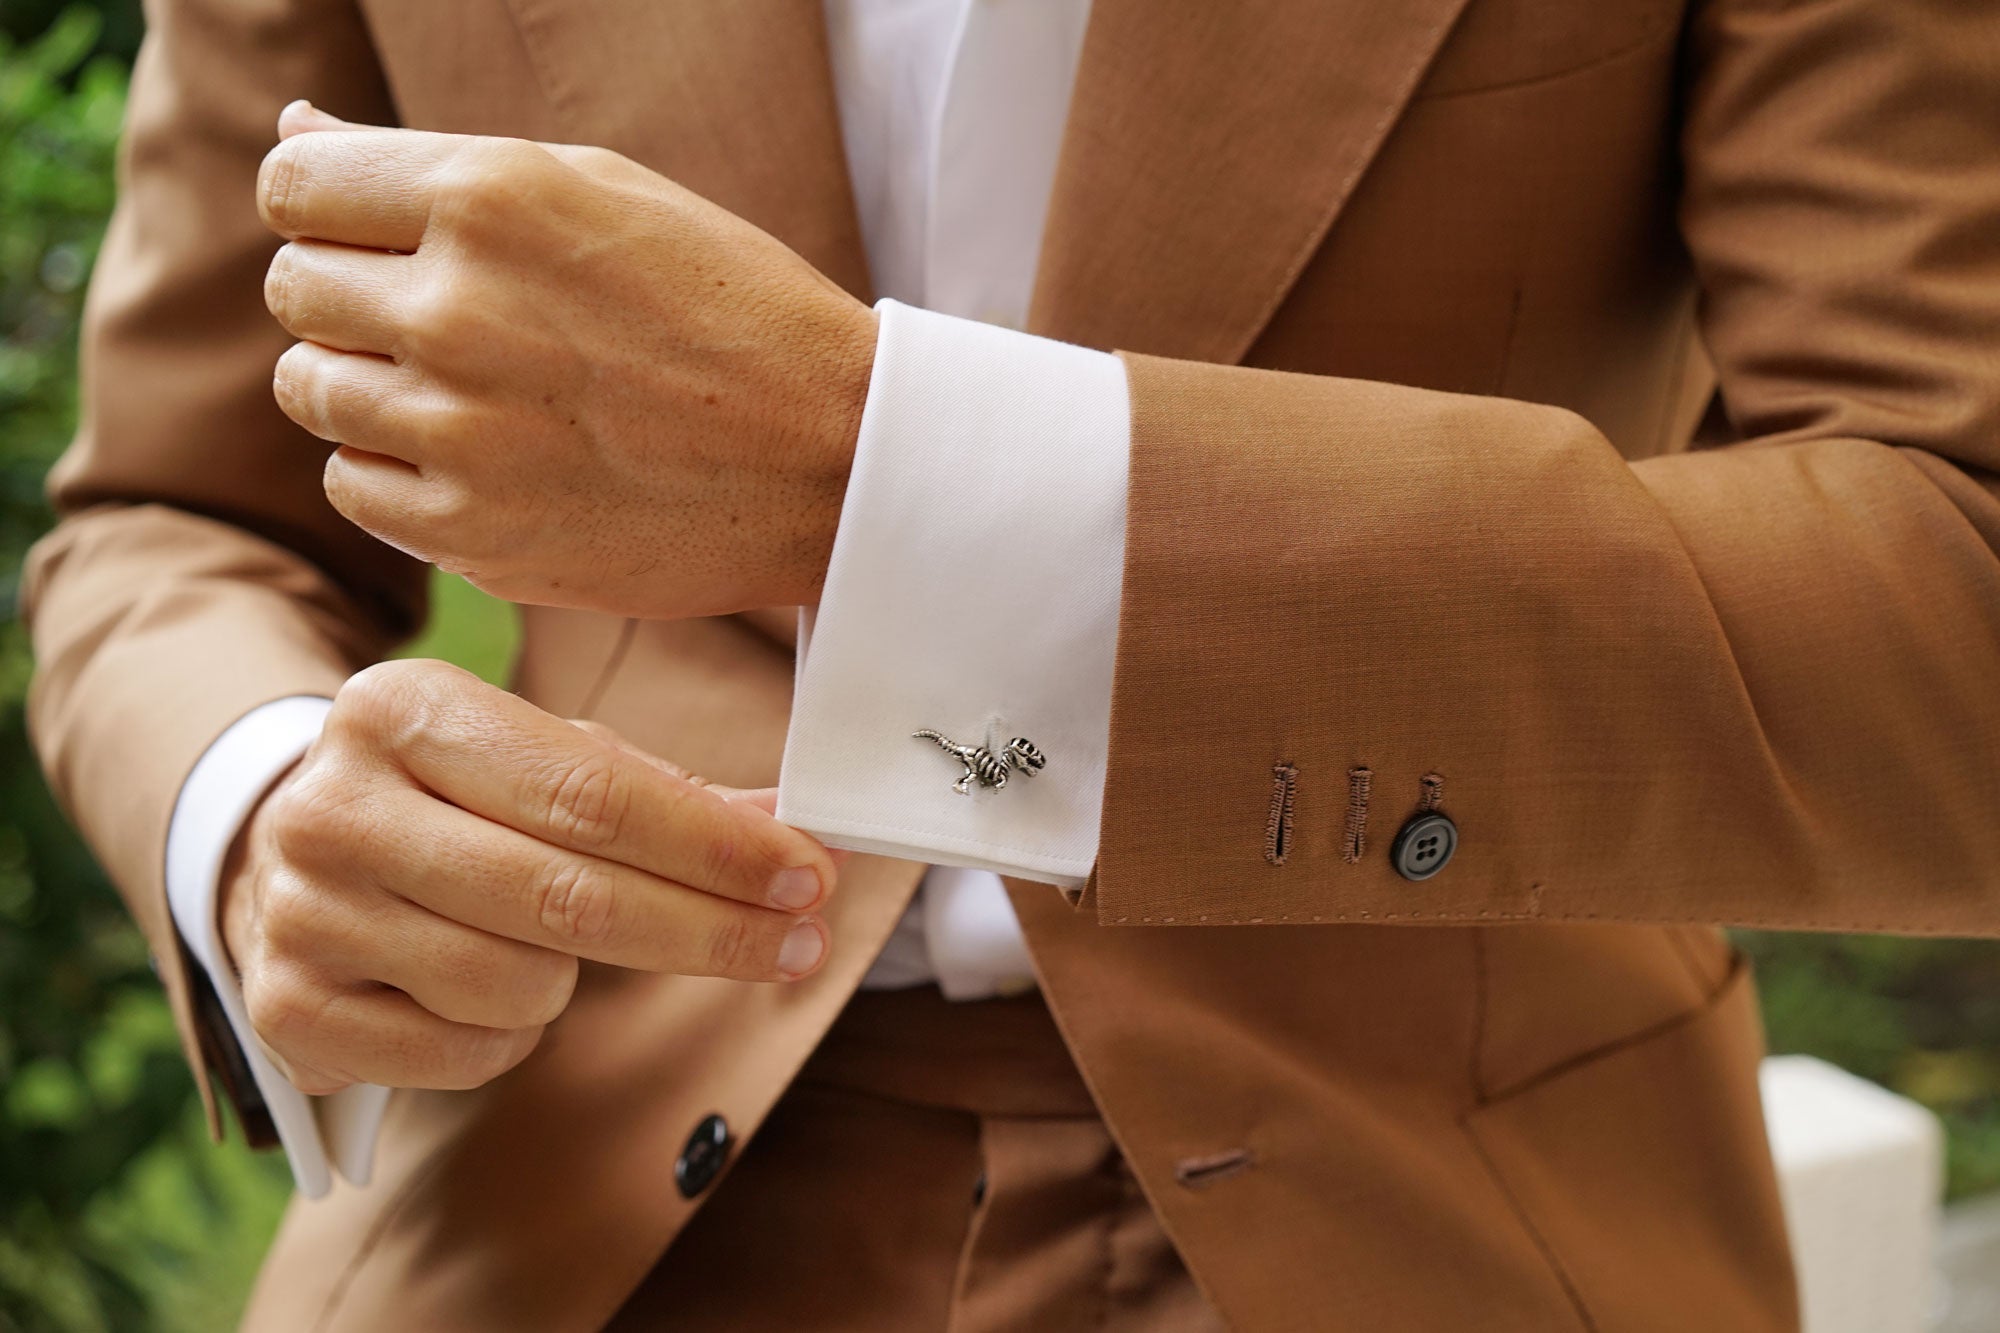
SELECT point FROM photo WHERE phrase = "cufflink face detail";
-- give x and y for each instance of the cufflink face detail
(982, 765)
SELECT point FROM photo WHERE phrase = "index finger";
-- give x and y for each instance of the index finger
(498, 756)
(356, 185)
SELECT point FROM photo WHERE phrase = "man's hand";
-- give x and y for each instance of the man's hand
(558, 373)
(408, 906)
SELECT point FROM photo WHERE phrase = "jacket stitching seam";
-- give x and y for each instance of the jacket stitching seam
(1454, 918)
(1541, 1242)
(1651, 37)
(1606, 1050)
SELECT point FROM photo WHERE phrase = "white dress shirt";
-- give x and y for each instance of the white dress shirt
(974, 583)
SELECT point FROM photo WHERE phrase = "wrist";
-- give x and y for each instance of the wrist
(848, 368)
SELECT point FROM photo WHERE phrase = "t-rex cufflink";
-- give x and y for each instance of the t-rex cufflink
(984, 766)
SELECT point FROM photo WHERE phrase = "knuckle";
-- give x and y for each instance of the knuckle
(292, 373)
(514, 170)
(588, 801)
(375, 693)
(450, 512)
(601, 158)
(389, 507)
(300, 389)
(483, 1054)
(747, 860)
(549, 995)
(347, 491)
(442, 427)
(535, 993)
(437, 320)
(280, 282)
(282, 186)
(313, 1083)
(731, 857)
(312, 821)
(284, 1008)
(290, 918)
(391, 703)
(463, 967)
(576, 904)
(720, 855)
(486, 183)
(515, 159)
(734, 949)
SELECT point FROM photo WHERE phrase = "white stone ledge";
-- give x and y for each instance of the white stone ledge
(1861, 1171)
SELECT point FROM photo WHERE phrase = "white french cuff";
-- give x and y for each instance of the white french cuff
(973, 590)
(319, 1134)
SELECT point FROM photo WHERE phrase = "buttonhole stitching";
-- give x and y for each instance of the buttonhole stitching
(1359, 781)
(1278, 823)
(1433, 797)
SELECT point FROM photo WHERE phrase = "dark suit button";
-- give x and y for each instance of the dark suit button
(701, 1161)
(1424, 847)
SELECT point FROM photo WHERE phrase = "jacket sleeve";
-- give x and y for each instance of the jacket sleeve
(1756, 684)
(197, 570)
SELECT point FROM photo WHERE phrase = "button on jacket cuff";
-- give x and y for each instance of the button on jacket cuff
(319, 1134)
(973, 590)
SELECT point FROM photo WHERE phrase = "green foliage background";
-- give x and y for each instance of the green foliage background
(115, 1211)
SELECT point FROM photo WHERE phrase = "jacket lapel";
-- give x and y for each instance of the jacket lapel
(733, 100)
(1209, 150)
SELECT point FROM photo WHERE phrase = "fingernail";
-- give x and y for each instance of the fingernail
(795, 889)
(801, 949)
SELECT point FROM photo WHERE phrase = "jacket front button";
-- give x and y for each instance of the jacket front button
(1424, 846)
(701, 1160)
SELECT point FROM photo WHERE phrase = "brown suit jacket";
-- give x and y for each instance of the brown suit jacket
(1426, 305)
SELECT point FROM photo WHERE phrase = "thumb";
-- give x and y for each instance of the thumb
(302, 116)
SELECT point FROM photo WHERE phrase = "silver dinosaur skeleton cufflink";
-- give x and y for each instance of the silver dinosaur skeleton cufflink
(982, 765)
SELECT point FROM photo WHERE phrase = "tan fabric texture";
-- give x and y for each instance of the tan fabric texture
(1424, 305)
(934, 1166)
